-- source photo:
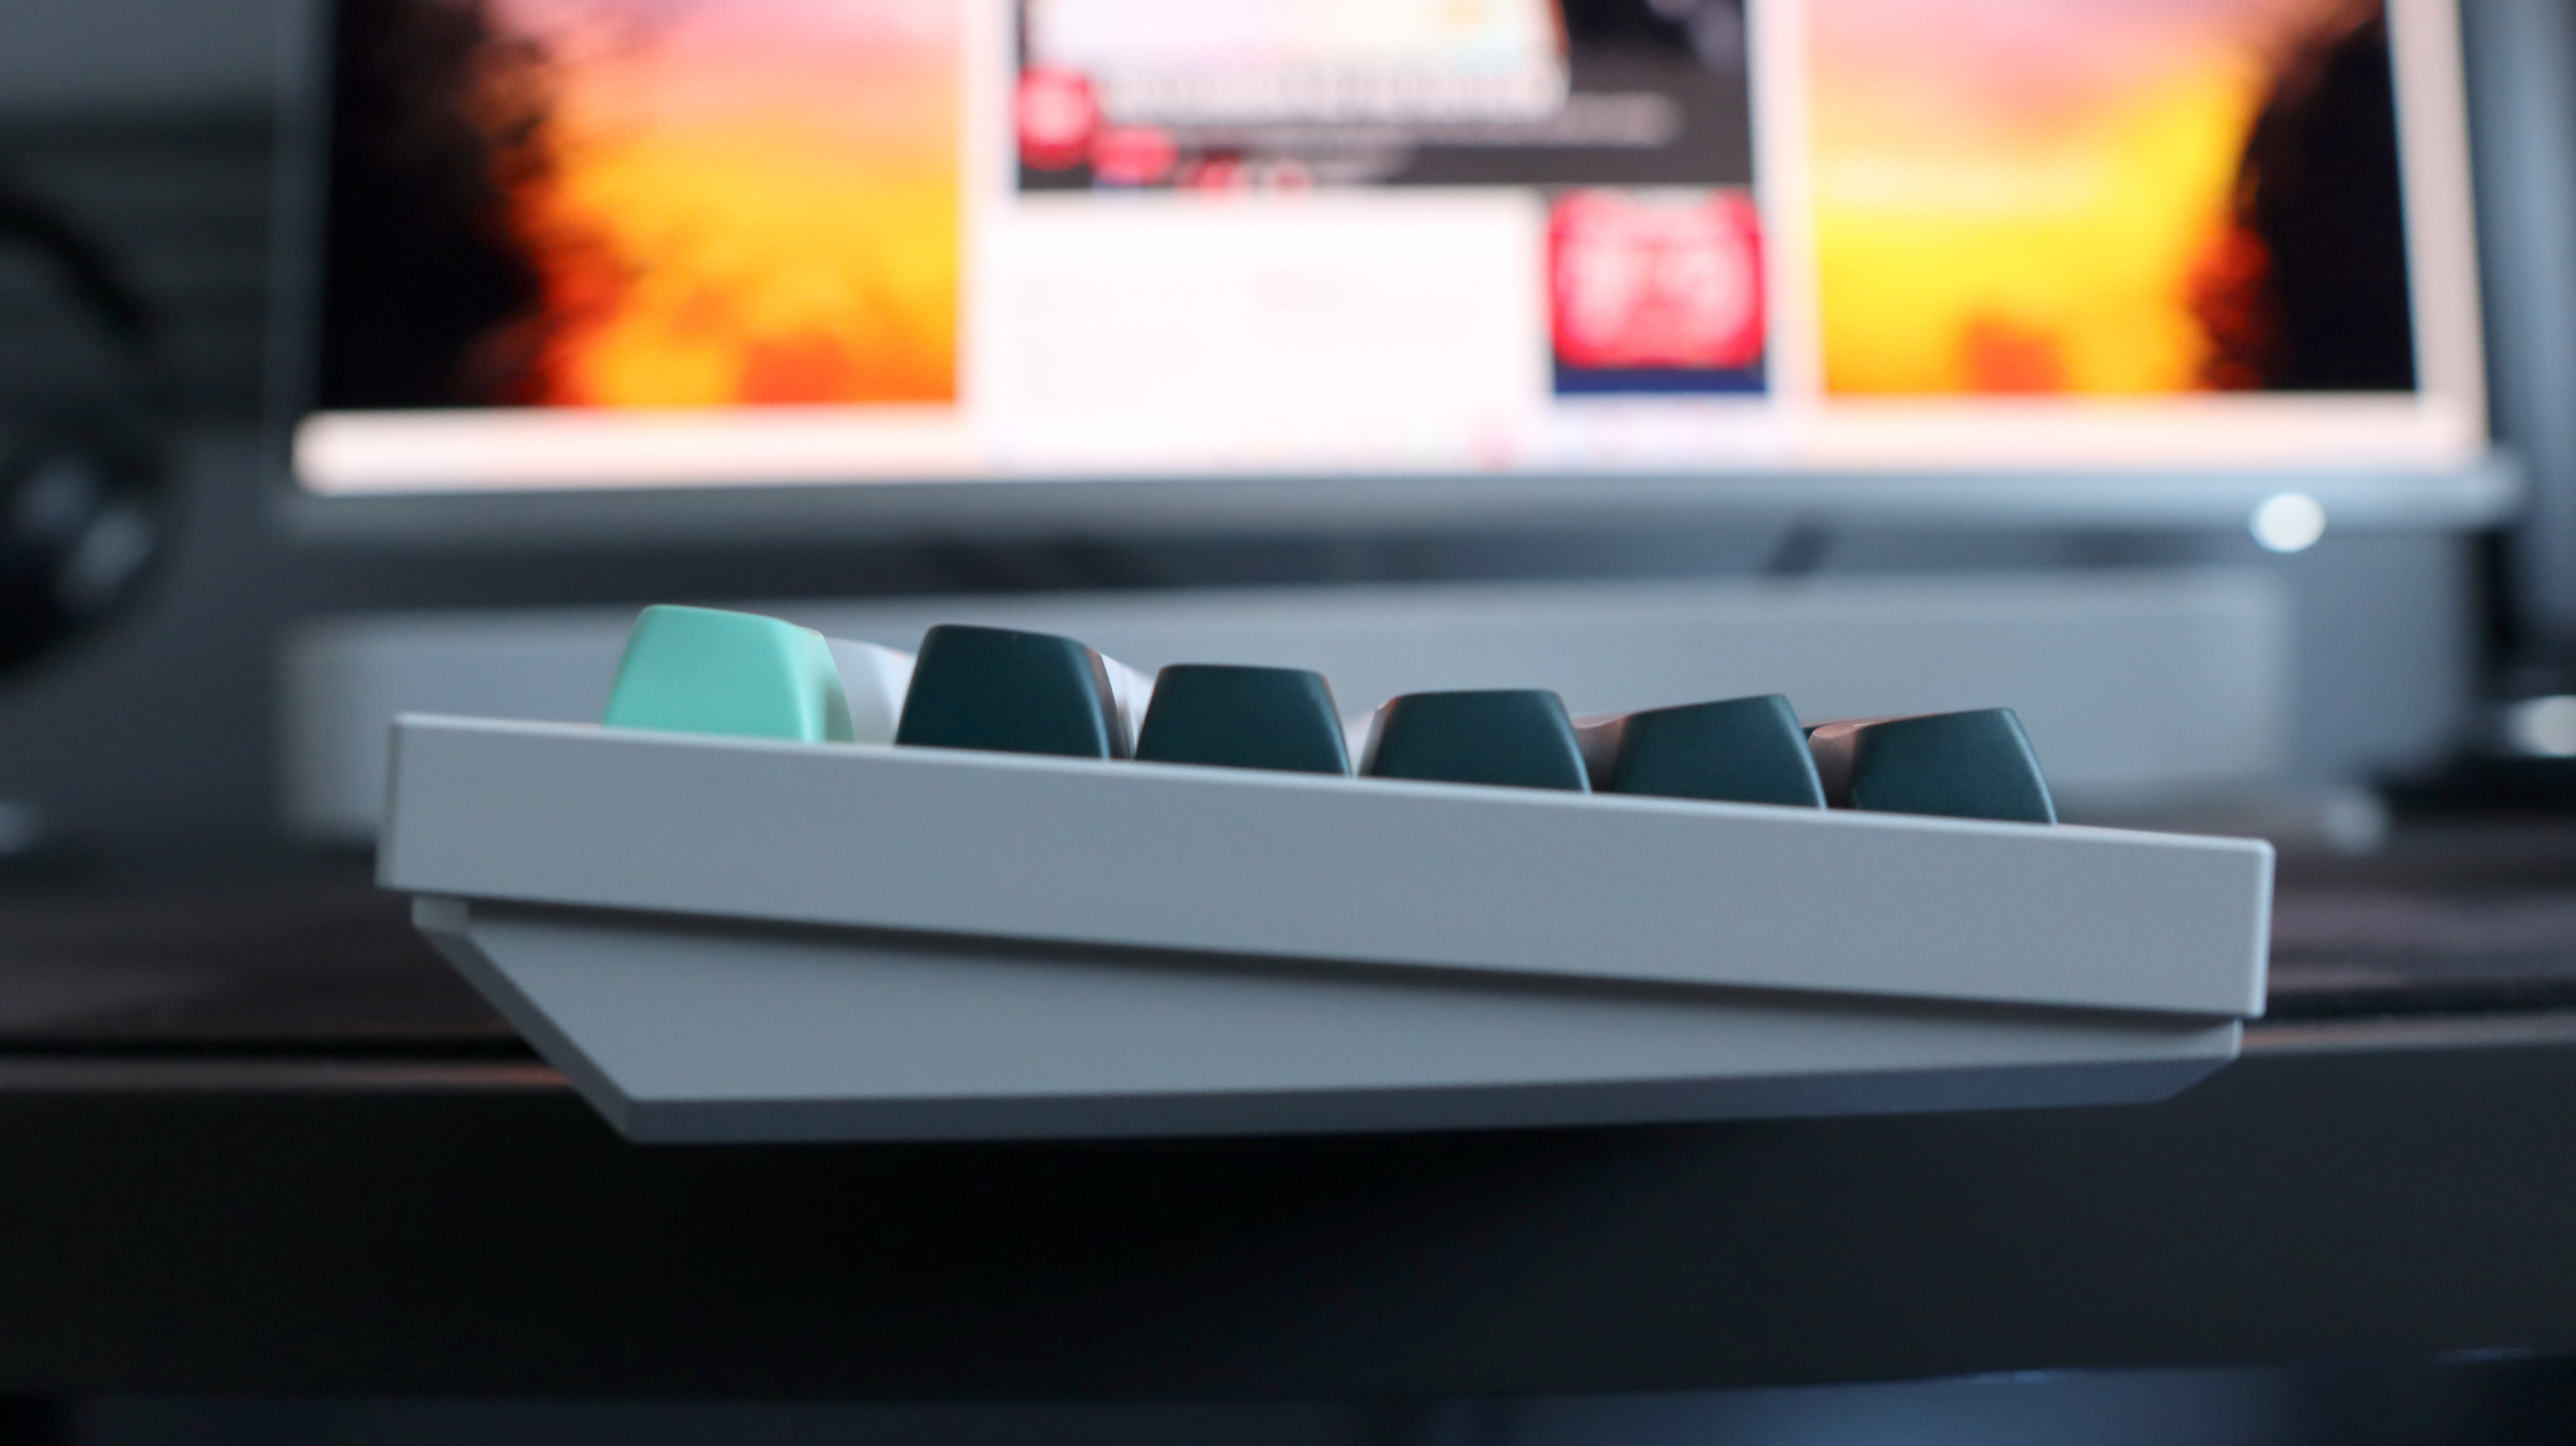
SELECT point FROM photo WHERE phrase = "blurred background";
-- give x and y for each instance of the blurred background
(153, 128)
(2422, 664)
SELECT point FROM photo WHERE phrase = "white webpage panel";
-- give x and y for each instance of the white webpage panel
(1168, 328)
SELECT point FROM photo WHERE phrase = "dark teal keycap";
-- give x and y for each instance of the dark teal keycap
(1519, 738)
(1740, 750)
(1010, 692)
(1232, 717)
(1961, 765)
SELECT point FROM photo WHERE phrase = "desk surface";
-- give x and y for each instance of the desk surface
(259, 1140)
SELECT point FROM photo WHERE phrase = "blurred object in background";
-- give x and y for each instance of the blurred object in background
(85, 423)
(84, 429)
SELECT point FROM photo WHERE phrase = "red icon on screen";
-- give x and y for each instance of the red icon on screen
(1057, 115)
(1639, 280)
(1133, 155)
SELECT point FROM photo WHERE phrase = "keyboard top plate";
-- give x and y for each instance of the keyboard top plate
(1361, 871)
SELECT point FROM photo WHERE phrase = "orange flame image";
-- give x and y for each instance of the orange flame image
(732, 201)
(2033, 195)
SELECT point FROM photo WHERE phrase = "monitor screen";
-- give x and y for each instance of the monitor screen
(706, 243)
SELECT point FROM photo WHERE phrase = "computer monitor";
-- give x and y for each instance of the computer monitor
(574, 264)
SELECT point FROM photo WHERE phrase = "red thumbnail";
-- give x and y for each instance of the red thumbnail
(1644, 280)
(1057, 116)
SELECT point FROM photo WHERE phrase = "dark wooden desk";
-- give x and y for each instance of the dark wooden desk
(253, 1140)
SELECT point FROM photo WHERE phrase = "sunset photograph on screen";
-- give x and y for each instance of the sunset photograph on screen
(660, 203)
(2139, 197)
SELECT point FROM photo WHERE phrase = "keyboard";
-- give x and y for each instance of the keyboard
(797, 888)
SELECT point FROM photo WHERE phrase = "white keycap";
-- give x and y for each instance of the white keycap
(874, 680)
(1134, 691)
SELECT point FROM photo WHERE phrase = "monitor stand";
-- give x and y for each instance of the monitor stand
(2138, 687)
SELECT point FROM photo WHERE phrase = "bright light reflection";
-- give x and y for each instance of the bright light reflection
(2289, 522)
(2543, 727)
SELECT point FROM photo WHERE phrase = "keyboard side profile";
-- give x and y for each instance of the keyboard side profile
(724, 938)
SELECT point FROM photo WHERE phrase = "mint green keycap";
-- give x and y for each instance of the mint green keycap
(703, 670)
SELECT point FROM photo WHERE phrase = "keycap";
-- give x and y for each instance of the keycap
(1006, 691)
(705, 670)
(1738, 750)
(1516, 737)
(874, 679)
(1238, 717)
(1134, 692)
(1962, 765)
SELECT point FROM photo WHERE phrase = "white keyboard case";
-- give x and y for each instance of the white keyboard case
(722, 939)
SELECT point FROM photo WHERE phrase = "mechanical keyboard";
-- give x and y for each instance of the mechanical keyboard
(795, 888)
